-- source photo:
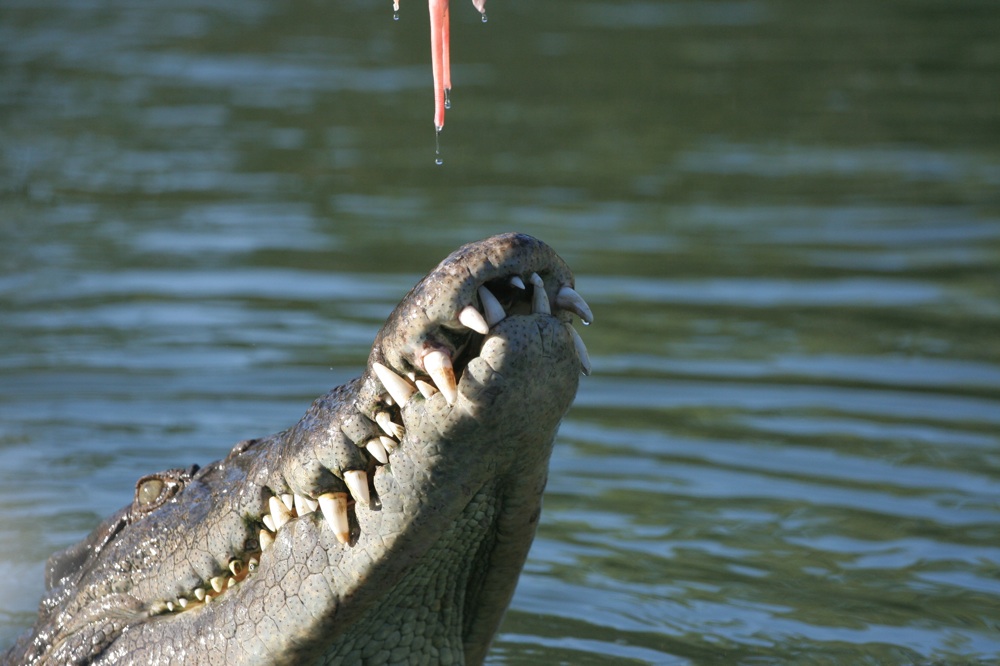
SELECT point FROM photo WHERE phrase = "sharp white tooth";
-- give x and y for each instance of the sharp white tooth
(388, 442)
(334, 508)
(517, 281)
(581, 350)
(471, 318)
(357, 482)
(438, 366)
(384, 420)
(288, 500)
(236, 566)
(539, 300)
(199, 593)
(269, 522)
(378, 451)
(491, 306)
(304, 505)
(230, 583)
(252, 564)
(568, 299)
(396, 386)
(266, 539)
(279, 513)
(426, 389)
(218, 583)
(170, 606)
(182, 602)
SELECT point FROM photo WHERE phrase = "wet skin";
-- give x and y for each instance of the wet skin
(389, 525)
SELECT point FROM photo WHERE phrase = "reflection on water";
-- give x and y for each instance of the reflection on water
(785, 218)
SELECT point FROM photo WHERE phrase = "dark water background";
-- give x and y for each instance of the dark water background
(785, 214)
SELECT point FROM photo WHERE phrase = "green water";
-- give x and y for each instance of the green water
(785, 215)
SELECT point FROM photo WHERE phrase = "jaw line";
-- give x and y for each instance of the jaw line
(515, 383)
(429, 480)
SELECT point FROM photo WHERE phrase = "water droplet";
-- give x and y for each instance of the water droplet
(484, 17)
(395, 16)
(437, 146)
(447, 98)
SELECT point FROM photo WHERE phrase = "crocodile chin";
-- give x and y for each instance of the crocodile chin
(389, 525)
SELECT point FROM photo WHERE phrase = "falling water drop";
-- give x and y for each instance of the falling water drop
(395, 10)
(484, 17)
(395, 16)
(437, 146)
(447, 98)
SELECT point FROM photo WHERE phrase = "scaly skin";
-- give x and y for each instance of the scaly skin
(413, 561)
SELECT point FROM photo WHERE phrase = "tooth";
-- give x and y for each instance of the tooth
(230, 583)
(396, 386)
(384, 420)
(388, 442)
(304, 505)
(378, 451)
(182, 602)
(170, 606)
(266, 539)
(199, 593)
(438, 366)
(236, 566)
(491, 306)
(252, 564)
(471, 318)
(288, 500)
(540, 300)
(357, 482)
(426, 389)
(517, 281)
(218, 583)
(581, 350)
(279, 513)
(269, 522)
(334, 508)
(568, 299)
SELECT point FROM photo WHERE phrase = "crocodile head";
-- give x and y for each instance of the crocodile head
(389, 525)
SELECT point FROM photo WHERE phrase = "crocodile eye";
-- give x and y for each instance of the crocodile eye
(148, 492)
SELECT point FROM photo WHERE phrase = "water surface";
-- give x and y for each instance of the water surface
(785, 216)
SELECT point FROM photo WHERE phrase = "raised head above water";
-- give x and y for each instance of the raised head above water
(389, 525)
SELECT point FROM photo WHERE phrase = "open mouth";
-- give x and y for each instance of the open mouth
(431, 368)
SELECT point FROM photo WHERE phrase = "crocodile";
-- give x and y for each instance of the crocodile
(388, 526)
